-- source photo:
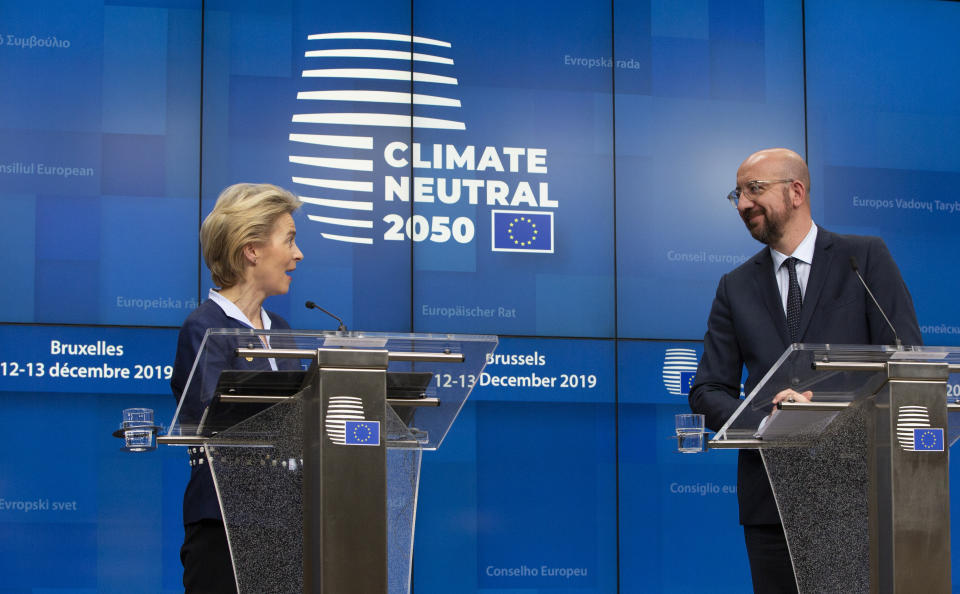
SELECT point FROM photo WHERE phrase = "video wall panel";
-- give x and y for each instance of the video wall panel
(677, 511)
(698, 88)
(76, 512)
(99, 161)
(881, 149)
(534, 197)
(275, 111)
(521, 496)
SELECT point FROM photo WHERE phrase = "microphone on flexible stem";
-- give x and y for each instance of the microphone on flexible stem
(312, 305)
(856, 269)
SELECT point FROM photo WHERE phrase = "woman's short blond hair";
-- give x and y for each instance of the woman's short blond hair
(243, 214)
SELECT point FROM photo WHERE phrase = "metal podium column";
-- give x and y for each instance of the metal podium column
(909, 495)
(344, 484)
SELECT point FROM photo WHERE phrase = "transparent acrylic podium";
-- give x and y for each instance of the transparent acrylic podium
(860, 474)
(317, 465)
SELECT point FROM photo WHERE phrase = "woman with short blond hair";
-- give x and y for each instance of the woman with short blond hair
(249, 245)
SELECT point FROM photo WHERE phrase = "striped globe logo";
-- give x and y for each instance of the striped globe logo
(353, 85)
(341, 409)
(910, 418)
(675, 363)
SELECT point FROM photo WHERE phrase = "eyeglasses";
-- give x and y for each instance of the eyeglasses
(753, 189)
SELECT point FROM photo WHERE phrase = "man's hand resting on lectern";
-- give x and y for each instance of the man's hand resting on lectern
(789, 395)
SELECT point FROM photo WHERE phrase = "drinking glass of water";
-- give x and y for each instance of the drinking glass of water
(690, 433)
(139, 432)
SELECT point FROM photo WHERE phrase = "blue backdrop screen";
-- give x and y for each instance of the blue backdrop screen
(719, 84)
(76, 512)
(99, 161)
(880, 124)
(554, 173)
(528, 478)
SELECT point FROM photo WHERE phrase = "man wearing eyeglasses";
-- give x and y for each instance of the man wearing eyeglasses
(799, 289)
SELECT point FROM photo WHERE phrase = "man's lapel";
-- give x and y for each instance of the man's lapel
(819, 272)
(765, 285)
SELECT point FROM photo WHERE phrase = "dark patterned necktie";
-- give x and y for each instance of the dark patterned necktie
(794, 301)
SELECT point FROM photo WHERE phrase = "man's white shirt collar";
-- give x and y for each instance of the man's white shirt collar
(804, 251)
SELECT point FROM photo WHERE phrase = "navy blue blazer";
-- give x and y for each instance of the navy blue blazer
(200, 498)
(747, 326)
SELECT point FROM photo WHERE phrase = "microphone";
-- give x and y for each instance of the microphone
(341, 327)
(856, 269)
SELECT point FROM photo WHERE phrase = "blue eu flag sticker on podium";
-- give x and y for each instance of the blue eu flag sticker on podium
(362, 433)
(928, 440)
(522, 231)
(686, 381)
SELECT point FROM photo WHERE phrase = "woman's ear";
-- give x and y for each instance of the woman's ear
(250, 253)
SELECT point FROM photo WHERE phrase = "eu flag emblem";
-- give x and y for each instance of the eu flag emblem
(928, 440)
(686, 381)
(362, 433)
(522, 231)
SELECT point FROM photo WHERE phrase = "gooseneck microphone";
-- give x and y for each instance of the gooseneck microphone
(312, 305)
(856, 269)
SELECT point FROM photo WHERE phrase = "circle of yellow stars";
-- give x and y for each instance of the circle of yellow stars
(928, 439)
(514, 227)
(367, 432)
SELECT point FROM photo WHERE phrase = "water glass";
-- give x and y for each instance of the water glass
(139, 431)
(690, 423)
(690, 433)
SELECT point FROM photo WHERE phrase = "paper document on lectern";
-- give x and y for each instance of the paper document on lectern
(788, 424)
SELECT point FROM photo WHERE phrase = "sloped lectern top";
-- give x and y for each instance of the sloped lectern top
(796, 369)
(446, 381)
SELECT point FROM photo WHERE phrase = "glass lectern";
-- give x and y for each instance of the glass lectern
(317, 469)
(860, 474)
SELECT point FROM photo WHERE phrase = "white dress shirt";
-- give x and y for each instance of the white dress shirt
(804, 256)
(230, 308)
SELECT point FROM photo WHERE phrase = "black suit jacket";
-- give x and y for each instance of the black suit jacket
(748, 327)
